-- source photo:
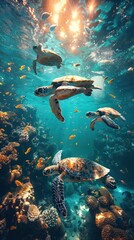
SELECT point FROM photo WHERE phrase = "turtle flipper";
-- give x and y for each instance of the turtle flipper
(109, 181)
(54, 103)
(58, 195)
(93, 123)
(34, 66)
(109, 122)
(124, 119)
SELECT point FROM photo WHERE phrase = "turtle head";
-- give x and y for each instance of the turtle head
(90, 114)
(49, 171)
(44, 91)
(37, 49)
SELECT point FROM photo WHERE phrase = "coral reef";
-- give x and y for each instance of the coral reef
(33, 212)
(110, 219)
(109, 233)
(50, 216)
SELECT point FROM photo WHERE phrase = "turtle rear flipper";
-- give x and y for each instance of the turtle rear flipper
(109, 122)
(34, 66)
(58, 195)
(54, 103)
(124, 119)
(57, 157)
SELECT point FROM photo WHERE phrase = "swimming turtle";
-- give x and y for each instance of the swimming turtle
(106, 115)
(63, 88)
(74, 169)
(46, 57)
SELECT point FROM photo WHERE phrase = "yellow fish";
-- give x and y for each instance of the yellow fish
(111, 95)
(1, 83)
(76, 110)
(110, 81)
(22, 67)
(28, 150)
(18, 106)
(23, 76)
(7, 93)
(71, 137)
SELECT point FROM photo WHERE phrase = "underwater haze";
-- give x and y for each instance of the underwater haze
(95, 39)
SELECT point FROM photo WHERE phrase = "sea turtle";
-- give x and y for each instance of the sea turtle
(106, 115)
(46, 57)
(63, 88)
(74, 169)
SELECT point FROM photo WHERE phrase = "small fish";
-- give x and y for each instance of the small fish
(123, 182)
(76, 64)
(76, 143)
(105, 78)
(6, 93)
(29, 69)
(22, 67)
(76, 110)
(52, 27)
(111, 95)
(28, 150)
(23, 76)
(13, 228)
(110, 81)
(119, 106)
(9, 69)
(18, 106)
(71, 137)
(10, 63)
(45, 15)
(122, 171)
(1, 83)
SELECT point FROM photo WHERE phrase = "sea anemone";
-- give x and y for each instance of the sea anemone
(110, 233)
(101, 219)
(92, 202)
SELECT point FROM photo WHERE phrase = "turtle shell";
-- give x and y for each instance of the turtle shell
(73, 81)
(108, 111)
(81, 169)
(49, 58)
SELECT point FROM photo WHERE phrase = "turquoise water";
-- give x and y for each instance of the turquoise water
(99, 36)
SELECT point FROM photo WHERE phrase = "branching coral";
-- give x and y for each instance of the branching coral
(3, 136)
(110, 233)
(9, 153)
(33, 213)
(2, 225)
(15, 173)
(101, 219)
(50, 216)
(24, 132)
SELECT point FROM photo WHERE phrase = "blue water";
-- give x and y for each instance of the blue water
(99, 36)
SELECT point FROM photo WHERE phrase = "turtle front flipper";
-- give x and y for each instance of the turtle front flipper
(34, 66)
(93, 123)
(58, 195)
(109, 122)
(54, 103)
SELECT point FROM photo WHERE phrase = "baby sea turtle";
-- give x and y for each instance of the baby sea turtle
(63, 88)
(106, 115)
(74, 169)
(46, 57)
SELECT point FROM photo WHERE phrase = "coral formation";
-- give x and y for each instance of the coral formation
(92, 202)
(9, 153)
(50, 216)
(33, 213)
(101, 219)
(110, 233)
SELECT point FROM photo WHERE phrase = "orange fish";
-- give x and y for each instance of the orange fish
(71, 137)
(7, 93)
(28, 150)
(76, 110)
(22, 67)
(110, 81)
(111, 95)
(18, 106)
(13, 228)
(23, 76)
(9, 69)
